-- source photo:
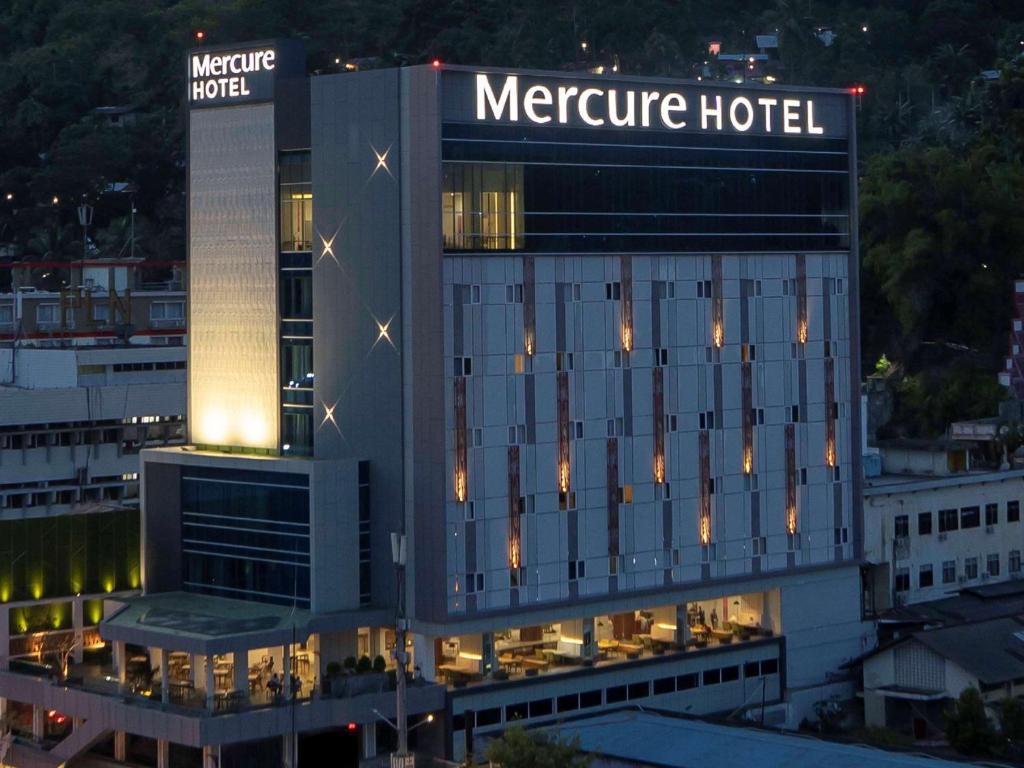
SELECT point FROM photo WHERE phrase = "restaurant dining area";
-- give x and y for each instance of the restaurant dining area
(620, 638)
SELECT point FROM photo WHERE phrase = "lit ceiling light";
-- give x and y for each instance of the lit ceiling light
(382, 161)
(384, 332)
(329, 416)
(327, 246)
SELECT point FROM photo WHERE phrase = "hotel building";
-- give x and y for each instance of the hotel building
(590, 343)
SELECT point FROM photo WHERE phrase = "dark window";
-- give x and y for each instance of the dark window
(1012, 511)
(615, 694)
(730, 673)
(991, 514)
(296, 294)
(688, 681)
(948, 571)
(590, 699)
(458, 722)
(902, 525)
(712, 676)
(540, 708)
(639, 690)
(992, 563)
(948, 520)
(902, 580)
(568, 703)
(769, 666)
(664, 685)
(751, 669)
(970, 517)
(488, 716)
(518, 711)
(924, 523)
(925, 577)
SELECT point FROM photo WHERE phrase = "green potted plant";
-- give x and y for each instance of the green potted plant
(379, 665)
(350, 664)
(363, 665)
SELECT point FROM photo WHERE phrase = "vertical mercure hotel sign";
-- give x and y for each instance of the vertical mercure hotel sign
(229, 77)
(598, 103)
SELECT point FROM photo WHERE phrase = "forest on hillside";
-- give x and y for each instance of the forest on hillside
(941, 146)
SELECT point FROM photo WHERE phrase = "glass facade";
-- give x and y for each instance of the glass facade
(295, 278)
(570, 190)
(70, 554)
(296, 193)
(246, 535)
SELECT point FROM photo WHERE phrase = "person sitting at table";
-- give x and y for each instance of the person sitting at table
(274, 686)
(714, 619)
(701, 618)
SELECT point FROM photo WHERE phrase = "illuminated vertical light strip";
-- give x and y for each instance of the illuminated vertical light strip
(529, 306)
(830, 416)
(747, 393)
(563, 432)
(717, 306)
(626, 305)
(613, 496)
(791, 478)
(658, 382)
(801, 298)
(461, 470)
(704, 458)
(515, 554)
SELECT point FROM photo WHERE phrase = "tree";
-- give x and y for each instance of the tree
(967, 725)
(518, 749)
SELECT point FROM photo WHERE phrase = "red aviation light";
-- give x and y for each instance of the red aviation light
(352, 726)
(858, 90)
(436, 63)
(200, 35)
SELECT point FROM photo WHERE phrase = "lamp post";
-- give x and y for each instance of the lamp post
(401, 758)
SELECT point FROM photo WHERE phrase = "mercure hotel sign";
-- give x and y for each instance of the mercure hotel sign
(224, 77)
(627, 104)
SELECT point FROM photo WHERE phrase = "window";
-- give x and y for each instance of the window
(925, 577)
(101, 312)
(948, 520)
(712, 676)
(296, 201)
(902, 525)
(482, 207)
(167, 310)
(625, 494)
(948, 571)
(992, 564)
(970, 517)
(6, 314)
(687, 681)
(577, 569)
(748, 352)
(514, 293)
(47, 314)
(474, 582)
(1012, 511)
(729, 674)
(924, 523)
(1014, 566)
(707, 420)
(296, 294)
(463, 366)
(970, 567)
(794, 414)
(613, 291)
(991, 514)
(564, 361)
(902, 580)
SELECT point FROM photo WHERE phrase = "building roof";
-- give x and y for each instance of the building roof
(992, 651)
(973, 604)
(650, 739)
(893, 483)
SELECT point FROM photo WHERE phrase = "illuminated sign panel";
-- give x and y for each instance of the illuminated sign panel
(631, 104)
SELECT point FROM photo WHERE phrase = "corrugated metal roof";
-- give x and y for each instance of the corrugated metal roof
(650, 739)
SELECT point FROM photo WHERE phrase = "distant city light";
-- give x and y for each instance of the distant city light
(864, 28)
(583, 45)
(9, 196)
(55, 200)
(436, 63)
(200, 35)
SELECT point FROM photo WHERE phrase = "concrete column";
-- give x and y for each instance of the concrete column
(119, 661)
(163, 753)
(241, 668)
(5, 637)
(209, 685)
(368, 741)
(288, 751)
(286, 670)
(120, 746)
(423, 652)
(78, 623)
(165, 677)
(682, 626)
(195, 673)
(489, 660)
(38, 723)
(589, 637)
